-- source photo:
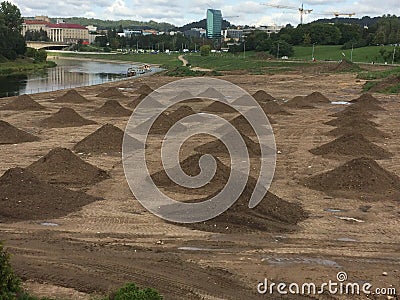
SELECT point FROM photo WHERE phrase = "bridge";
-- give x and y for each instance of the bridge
(46, 45)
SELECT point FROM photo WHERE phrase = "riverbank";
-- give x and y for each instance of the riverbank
(52, 57)
(23, 66)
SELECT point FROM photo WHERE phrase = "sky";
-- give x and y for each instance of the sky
(180, 12)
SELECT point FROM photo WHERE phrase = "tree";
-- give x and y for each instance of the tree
(205, 50)
(281, 48)
(9, 283)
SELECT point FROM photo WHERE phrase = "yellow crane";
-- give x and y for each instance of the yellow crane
(301, 9)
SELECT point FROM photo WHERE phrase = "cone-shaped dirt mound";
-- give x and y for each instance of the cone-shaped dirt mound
(135, 102)
(66, 117)
(316, 98)
(107, 139)
(366, 106)
(72, 96)
(219, 107)
(298, 102)
(113, 93)
(367, 131)
(181, 112)
(366, 98)
(272, 214)
(150, 102)
(24, 197)
(144, 89)
(263, 96)
(345, 65)
(273, 108)
(359, 177)
(217, 147)
(23, 102)
(355, 145)
(12, 135)
(244, 100)
(351, 121)
(112, 108)
(211, 93)
(62, 166)
(181, 96)
(352, 112)
(160, 126)
(241, 124)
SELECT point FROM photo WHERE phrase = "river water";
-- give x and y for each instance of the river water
(67, 74)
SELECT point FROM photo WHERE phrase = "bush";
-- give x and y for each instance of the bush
(281, 48)
(132, 292)
(10, 285)
(205, 50)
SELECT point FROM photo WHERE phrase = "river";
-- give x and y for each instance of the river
(68, 74)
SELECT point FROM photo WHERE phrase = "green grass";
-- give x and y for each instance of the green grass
(371, 75)
(23, 66)
(364, 54)
(229, 62)
(165, 60)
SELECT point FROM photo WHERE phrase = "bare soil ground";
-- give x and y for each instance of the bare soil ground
(112, 241)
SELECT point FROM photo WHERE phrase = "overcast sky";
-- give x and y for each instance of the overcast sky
(180, 12)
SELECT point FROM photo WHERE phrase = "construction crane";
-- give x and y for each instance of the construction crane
(301, 9)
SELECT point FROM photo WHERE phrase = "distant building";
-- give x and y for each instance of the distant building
(214, 23)
(91, 28)
(195, 33)
(235, 34)
(34, 25)
(267, 29)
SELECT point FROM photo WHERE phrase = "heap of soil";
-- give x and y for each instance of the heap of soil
(359, 177)
(355, 145)
(144, 89)
(385, 84)
(72, 96)
(182, 95)
(366, 130)
(24, 197)
(62, 166)
(160, 126)
(345, 65)
(135, 102)
(272, 214)
(113, 93)
(211, 93)
(107, 139)
(219, 107)
(112, 108)
(244, 100)
(263, 96)
(218, 148)
(23, 102)
(66, 117)
(366, 106)
(12, 135)
(273, 108)
(366, 98)
(241, 124)
(351, 121)
(316, 98)
(150, 102)
(181, 112)
(351, 112)
(298, 102)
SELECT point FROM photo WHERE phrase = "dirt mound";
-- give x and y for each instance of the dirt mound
(359, 177)
(355, 145)
(72, 96)
(366, 98)
(298, 102)
(107, 139)
(136, 101)
(184, 95)
(345, 65)
(66, 117)
(219, 107)
(353, 112)
(218, 148)
(273, 108)
(23, 102)
(160, 126)
(144, 89)
(150, 102)
(386, 85)
(181, 112)
(241, 124)
(113, 93)
(316, 98)
(12, 135)
(112, 108)
(351, 121)
(24, 197)
(211, 93)
(244, 100)
(62, 166)
(366, 130)
(263, 96)
(361, 106)
(272, 214)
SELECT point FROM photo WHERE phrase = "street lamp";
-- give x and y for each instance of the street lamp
(312, 53)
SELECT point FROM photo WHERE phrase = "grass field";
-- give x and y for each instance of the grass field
(22, 66)
(364, 54)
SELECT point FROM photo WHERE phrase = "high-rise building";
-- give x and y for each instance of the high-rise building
(214, 23)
